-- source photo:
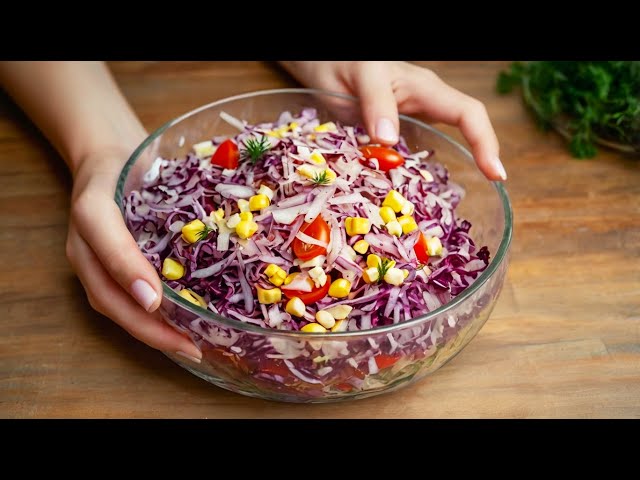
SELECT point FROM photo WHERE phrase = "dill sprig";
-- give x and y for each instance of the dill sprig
(254, 149)
(321, 178)
(201, 235)
(383, 267)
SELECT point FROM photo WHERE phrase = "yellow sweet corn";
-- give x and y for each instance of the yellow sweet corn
(405, 272)
(407, 223)
(266, 191)
(172, 269)
(308, 171)
(361, 246)
(293, 126)
(258, 202)
(340, 312)
(434, 246)
(313, 328)
(191, 231)
(357, 226)
(278, 278)
(394, 276)
(387, 214)
(267, 297)
(394, 228)
(218, 215)
(326, 127)
(233, 221)
(330, 176)
(340, 288)
(243, 205)
(317, 158)
(395, 200)
(246, 228)
(370, 275)
(295, 307)
(246, 216)
(373, 260)
(325, 319)
(193, 297)
(271, 269)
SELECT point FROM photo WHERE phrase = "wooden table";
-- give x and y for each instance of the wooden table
(563, 341)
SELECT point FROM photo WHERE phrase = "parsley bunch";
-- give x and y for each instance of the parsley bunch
(593, 101)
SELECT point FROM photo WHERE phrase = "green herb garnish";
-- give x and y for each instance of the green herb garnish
(254, 149)
(383, 267)
(321, 178)
(591, 101)
(201, 235)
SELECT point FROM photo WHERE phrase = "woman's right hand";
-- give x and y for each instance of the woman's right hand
(119, 281)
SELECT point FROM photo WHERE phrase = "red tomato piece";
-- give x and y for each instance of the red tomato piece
(226, 155)
(318, 293)
(384, 361)
(421, 249)
(318, 229)
(388, 158)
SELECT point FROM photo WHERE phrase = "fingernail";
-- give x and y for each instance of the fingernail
(500, 168)
(189, 357)
(144, 294)
(386, 131)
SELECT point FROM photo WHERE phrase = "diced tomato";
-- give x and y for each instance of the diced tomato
(388, 158)
(384, 361)
(421, 249)
(345, 387)
(226, 155)
(318, 293)
(318, 229)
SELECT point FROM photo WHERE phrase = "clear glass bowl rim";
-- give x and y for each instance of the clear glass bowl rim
(499, 257)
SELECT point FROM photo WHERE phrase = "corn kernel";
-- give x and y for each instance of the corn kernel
(394, 228)
(308, 171)
(326, 127)
(330, 175)
(246, 216)
(204, 149)
(434, 246)
(395, 200)
(361, 246)
(171, 269)
(267, 297)
(293, 126)
(318, 276)
(325, 319)
(193, 297)
(373, 261)
(290, 278)
(313, 328)
(339, 288)
(408, 208)
(371, 275)
(394, 276)
(280, 132)
(340, 326)
(258, 202)
(357, 226)
(405, 272)
(408, 224)
(266, 191)
(246, 228)
(243, 205)
(233, 221)
(278, 278)
(340, 312)
(387, 214)
(317, 158)
(295, 307)
(271, 269)
(191, 231)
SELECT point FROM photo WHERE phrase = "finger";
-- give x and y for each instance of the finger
(379, 107)
(443, 103)
(107, 297)
(100, 223)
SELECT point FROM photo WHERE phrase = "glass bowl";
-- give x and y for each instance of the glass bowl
(322, 367)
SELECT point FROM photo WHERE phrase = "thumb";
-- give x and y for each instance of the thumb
(378, 102)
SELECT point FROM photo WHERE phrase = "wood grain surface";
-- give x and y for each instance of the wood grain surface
(563, 340)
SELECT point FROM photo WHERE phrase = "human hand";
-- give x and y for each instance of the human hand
(119, 281)
(386, 88)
